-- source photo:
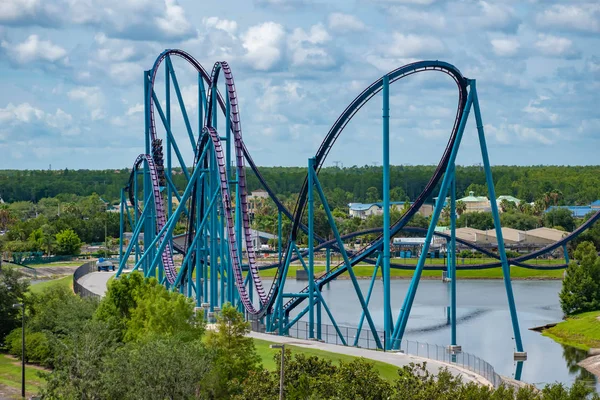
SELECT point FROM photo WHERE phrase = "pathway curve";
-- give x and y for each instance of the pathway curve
(394, 358)
(96, 281)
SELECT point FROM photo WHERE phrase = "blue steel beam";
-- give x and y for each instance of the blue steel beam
(387, 304)
(410, 296)
(496, 215)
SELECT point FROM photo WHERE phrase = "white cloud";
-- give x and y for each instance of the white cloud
(263, 44)
(92, 96)
(131, 19)
(340, 22)
(137, 108)
(19, 12)
(584, 17)
(495, 16)
(173, 22)
(125, 72)
(307, 47)
(25, 114)
(34, 49)
(418, 18)
(540, 114)
(505, 47)
(555, 46)
(415, 2)
(415, 45)
(97, 114)
(511, 133)
(221, 24)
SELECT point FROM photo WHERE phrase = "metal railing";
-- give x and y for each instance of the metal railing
(435, 352)
(84, 269)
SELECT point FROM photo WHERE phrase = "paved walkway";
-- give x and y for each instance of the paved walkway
(397, 359)
(96, 282)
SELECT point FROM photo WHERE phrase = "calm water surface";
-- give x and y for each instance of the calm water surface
(484, 327)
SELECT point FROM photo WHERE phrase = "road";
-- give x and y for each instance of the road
(96, 281)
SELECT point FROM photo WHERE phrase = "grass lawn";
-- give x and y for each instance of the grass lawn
(10, 375)
(67, 281)
(492, 273)
(58, 264)
(387, 371)
(581, 331)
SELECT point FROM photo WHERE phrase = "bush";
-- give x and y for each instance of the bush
(67, 243)
(37, 346)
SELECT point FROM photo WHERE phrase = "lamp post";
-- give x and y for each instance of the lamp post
(281, 375)
(22, 307)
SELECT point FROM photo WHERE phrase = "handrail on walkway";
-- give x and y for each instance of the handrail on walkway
(420, 349)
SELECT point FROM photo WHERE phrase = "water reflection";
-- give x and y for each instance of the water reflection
(573, 356)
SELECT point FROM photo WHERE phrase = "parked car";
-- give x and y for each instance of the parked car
(105, 265)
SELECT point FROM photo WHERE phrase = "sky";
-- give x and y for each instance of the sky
(71, 77)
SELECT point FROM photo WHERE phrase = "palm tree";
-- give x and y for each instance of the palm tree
(556, 195)
(461, 207)
(505, 205)
(539, 207)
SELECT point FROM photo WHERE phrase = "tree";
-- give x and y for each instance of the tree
(160, 311)
(461, 207)
(519, 221)
(477, 220)
(13, 290)
(177, 369)
(236, 354)
(78, 365)
(506, 205)
(67, 243)
(372, 195)
(560, 217)
(581, 288)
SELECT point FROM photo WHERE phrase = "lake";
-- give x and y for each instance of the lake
(484, 328)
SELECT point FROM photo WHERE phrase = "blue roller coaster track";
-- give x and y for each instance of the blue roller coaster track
(214, 205)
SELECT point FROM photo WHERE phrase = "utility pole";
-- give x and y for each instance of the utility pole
(22, 307)
(281, 374)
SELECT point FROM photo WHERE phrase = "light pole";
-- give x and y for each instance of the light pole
(281, 374)
(22, 307)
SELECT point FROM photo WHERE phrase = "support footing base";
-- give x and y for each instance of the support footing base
(520, 355)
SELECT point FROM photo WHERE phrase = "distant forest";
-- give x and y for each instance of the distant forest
(579, 185)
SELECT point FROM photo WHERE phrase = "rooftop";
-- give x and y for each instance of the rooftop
(471, 198)
(508, 198)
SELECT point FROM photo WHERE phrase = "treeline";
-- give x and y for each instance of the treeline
(580, 184)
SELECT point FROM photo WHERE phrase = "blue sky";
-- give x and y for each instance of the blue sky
(71, 89)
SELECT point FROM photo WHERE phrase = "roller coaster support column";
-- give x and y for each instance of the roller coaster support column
(122, 223)
(311, 255)
(566, 254)
(387, 306)
(149, 228)
(492, 193)
(168, 155)
(412, 290)
(279, 236)
(327, 263)
(452, 259)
